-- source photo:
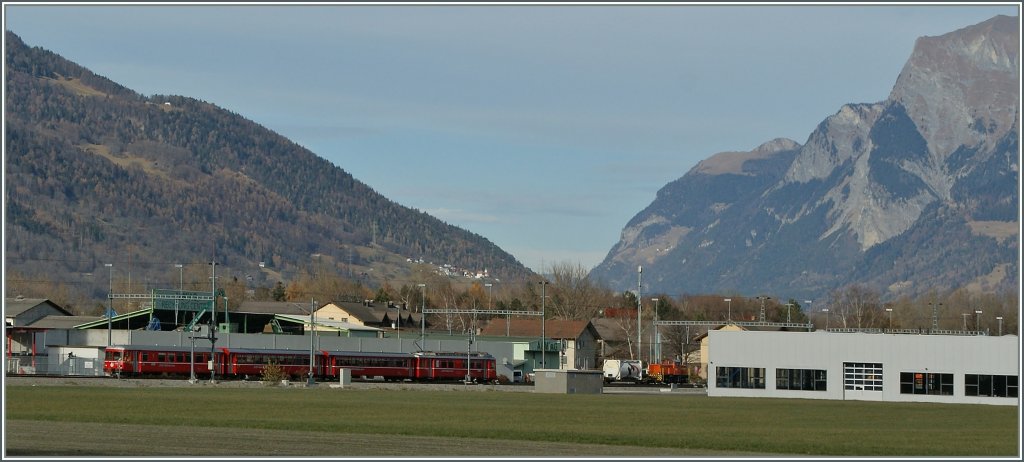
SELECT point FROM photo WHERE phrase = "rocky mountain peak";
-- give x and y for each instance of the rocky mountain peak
(734, 162)
(963, 87)
(914, 193)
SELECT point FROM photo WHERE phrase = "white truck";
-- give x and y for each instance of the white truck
(623, 370)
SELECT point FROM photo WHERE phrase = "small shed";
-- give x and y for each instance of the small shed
(568, 381)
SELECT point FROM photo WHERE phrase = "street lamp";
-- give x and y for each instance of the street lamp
(1000, 319)
(110, 300)
(181, 284)
(488, 286)
(657, 340)
(890, 317)
(639, 308)
(825, 310)
(729, 301)
(312, 331)
(423, 306)
(977, 320)
(543, 342)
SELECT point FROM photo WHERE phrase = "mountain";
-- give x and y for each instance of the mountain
(914, 193)
(97, 173)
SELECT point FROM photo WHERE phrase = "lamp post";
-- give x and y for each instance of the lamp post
(110, 300)
(889, 310)
(729, 302)
(657, 340)
(488, 286)
(639, 308)
(1000, 319)
(543, 311)
(312, 331)
(977, 320)
(423, 321)
(825, 310)
(965, 315)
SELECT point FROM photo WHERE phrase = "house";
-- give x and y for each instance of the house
(371, 314)
(576, 340)
(22, 312)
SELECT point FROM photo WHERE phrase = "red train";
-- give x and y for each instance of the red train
(235, 363)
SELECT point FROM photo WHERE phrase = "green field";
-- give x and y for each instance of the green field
(441, 421)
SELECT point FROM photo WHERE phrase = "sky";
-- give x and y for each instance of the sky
(543, 128)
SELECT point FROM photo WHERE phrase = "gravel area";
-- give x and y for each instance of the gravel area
(126, 382)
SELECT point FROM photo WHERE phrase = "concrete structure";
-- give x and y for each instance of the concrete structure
(864, 366)
(568, 381)
(74, 360)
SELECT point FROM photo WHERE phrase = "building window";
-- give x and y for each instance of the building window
(1003, 386)
(923, 383)
(801, 379)
(862, 376)
(740, 377)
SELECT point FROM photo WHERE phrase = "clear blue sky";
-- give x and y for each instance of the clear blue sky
(542, 128)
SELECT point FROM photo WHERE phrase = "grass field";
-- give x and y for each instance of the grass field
(333, 422)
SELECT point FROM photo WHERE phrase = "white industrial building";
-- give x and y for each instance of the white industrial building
(864, 366)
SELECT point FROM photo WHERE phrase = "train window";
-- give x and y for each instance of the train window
(160, 357)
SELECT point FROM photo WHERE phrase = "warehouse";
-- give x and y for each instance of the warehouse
(977, 369)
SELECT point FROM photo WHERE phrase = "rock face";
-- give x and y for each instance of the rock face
(914, 193)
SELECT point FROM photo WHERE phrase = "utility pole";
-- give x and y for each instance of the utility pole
(763, 298)
(423, 318)
(110, 301)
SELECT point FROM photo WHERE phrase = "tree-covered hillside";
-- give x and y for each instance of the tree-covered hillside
(97, 173)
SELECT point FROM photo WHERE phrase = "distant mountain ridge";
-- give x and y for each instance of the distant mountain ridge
(96, 172)
(914, 193)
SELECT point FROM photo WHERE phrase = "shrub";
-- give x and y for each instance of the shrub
(273, 374)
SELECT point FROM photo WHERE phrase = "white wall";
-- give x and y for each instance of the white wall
(947, 354)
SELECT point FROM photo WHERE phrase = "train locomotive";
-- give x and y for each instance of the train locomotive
(240, 363)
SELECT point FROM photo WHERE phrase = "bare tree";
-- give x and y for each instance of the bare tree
(857, 304)
(573, 294)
